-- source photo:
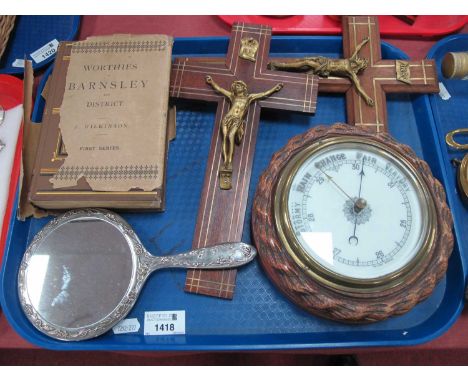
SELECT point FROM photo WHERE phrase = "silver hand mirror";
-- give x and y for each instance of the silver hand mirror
(84, 270)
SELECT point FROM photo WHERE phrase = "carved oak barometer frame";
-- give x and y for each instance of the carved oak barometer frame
(326, 293)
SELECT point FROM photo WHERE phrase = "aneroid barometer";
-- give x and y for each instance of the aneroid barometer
(351, 225)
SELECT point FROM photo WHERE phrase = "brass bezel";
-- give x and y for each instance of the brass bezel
(463, 179)
(315, 270)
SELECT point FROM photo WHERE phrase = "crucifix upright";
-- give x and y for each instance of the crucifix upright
(381, 76)
(222, 209)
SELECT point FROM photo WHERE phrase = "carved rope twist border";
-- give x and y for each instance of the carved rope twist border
(294, 282)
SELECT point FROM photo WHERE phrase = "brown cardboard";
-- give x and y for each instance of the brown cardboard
(31, 133)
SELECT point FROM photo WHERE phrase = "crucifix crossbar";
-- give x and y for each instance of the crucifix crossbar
(221, 212)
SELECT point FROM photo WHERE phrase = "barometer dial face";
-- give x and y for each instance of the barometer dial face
(354, 211)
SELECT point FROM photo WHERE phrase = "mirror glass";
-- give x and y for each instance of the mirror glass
(79, 272)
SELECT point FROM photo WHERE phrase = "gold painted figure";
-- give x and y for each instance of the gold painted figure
(232, 125)
(325, 66)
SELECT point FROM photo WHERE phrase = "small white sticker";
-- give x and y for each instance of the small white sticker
(129, 325)
(18, 63)
(164, 323)
(443, 92)
(46, 51)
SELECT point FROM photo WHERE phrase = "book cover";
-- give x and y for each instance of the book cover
(104, 132)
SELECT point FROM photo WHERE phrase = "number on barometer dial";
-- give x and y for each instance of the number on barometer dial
(351, 225)
(357, 211)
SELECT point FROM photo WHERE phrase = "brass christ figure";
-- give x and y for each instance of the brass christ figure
(233, 123)
(325, 67)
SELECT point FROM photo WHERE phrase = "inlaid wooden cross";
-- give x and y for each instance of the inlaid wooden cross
(361, 33)
(222, 211)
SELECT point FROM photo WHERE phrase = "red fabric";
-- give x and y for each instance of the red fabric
(11, 91)
(198, 26)
(11, 95)
(176, 26)
(411, 26)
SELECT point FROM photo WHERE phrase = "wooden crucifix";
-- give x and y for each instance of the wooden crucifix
(222, 210)
(373, 77)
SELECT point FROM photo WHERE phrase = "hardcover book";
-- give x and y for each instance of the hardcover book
(104, 135)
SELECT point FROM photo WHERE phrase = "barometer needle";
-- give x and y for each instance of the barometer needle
(362, 174)
(358, 208)
(331, 180)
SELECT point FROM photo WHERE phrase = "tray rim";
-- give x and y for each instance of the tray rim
(56, 345)
(17, 83)
(436, 118)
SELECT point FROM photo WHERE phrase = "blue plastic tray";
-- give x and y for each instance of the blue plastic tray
(31, 33)
(449, 115)
(258, 317)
